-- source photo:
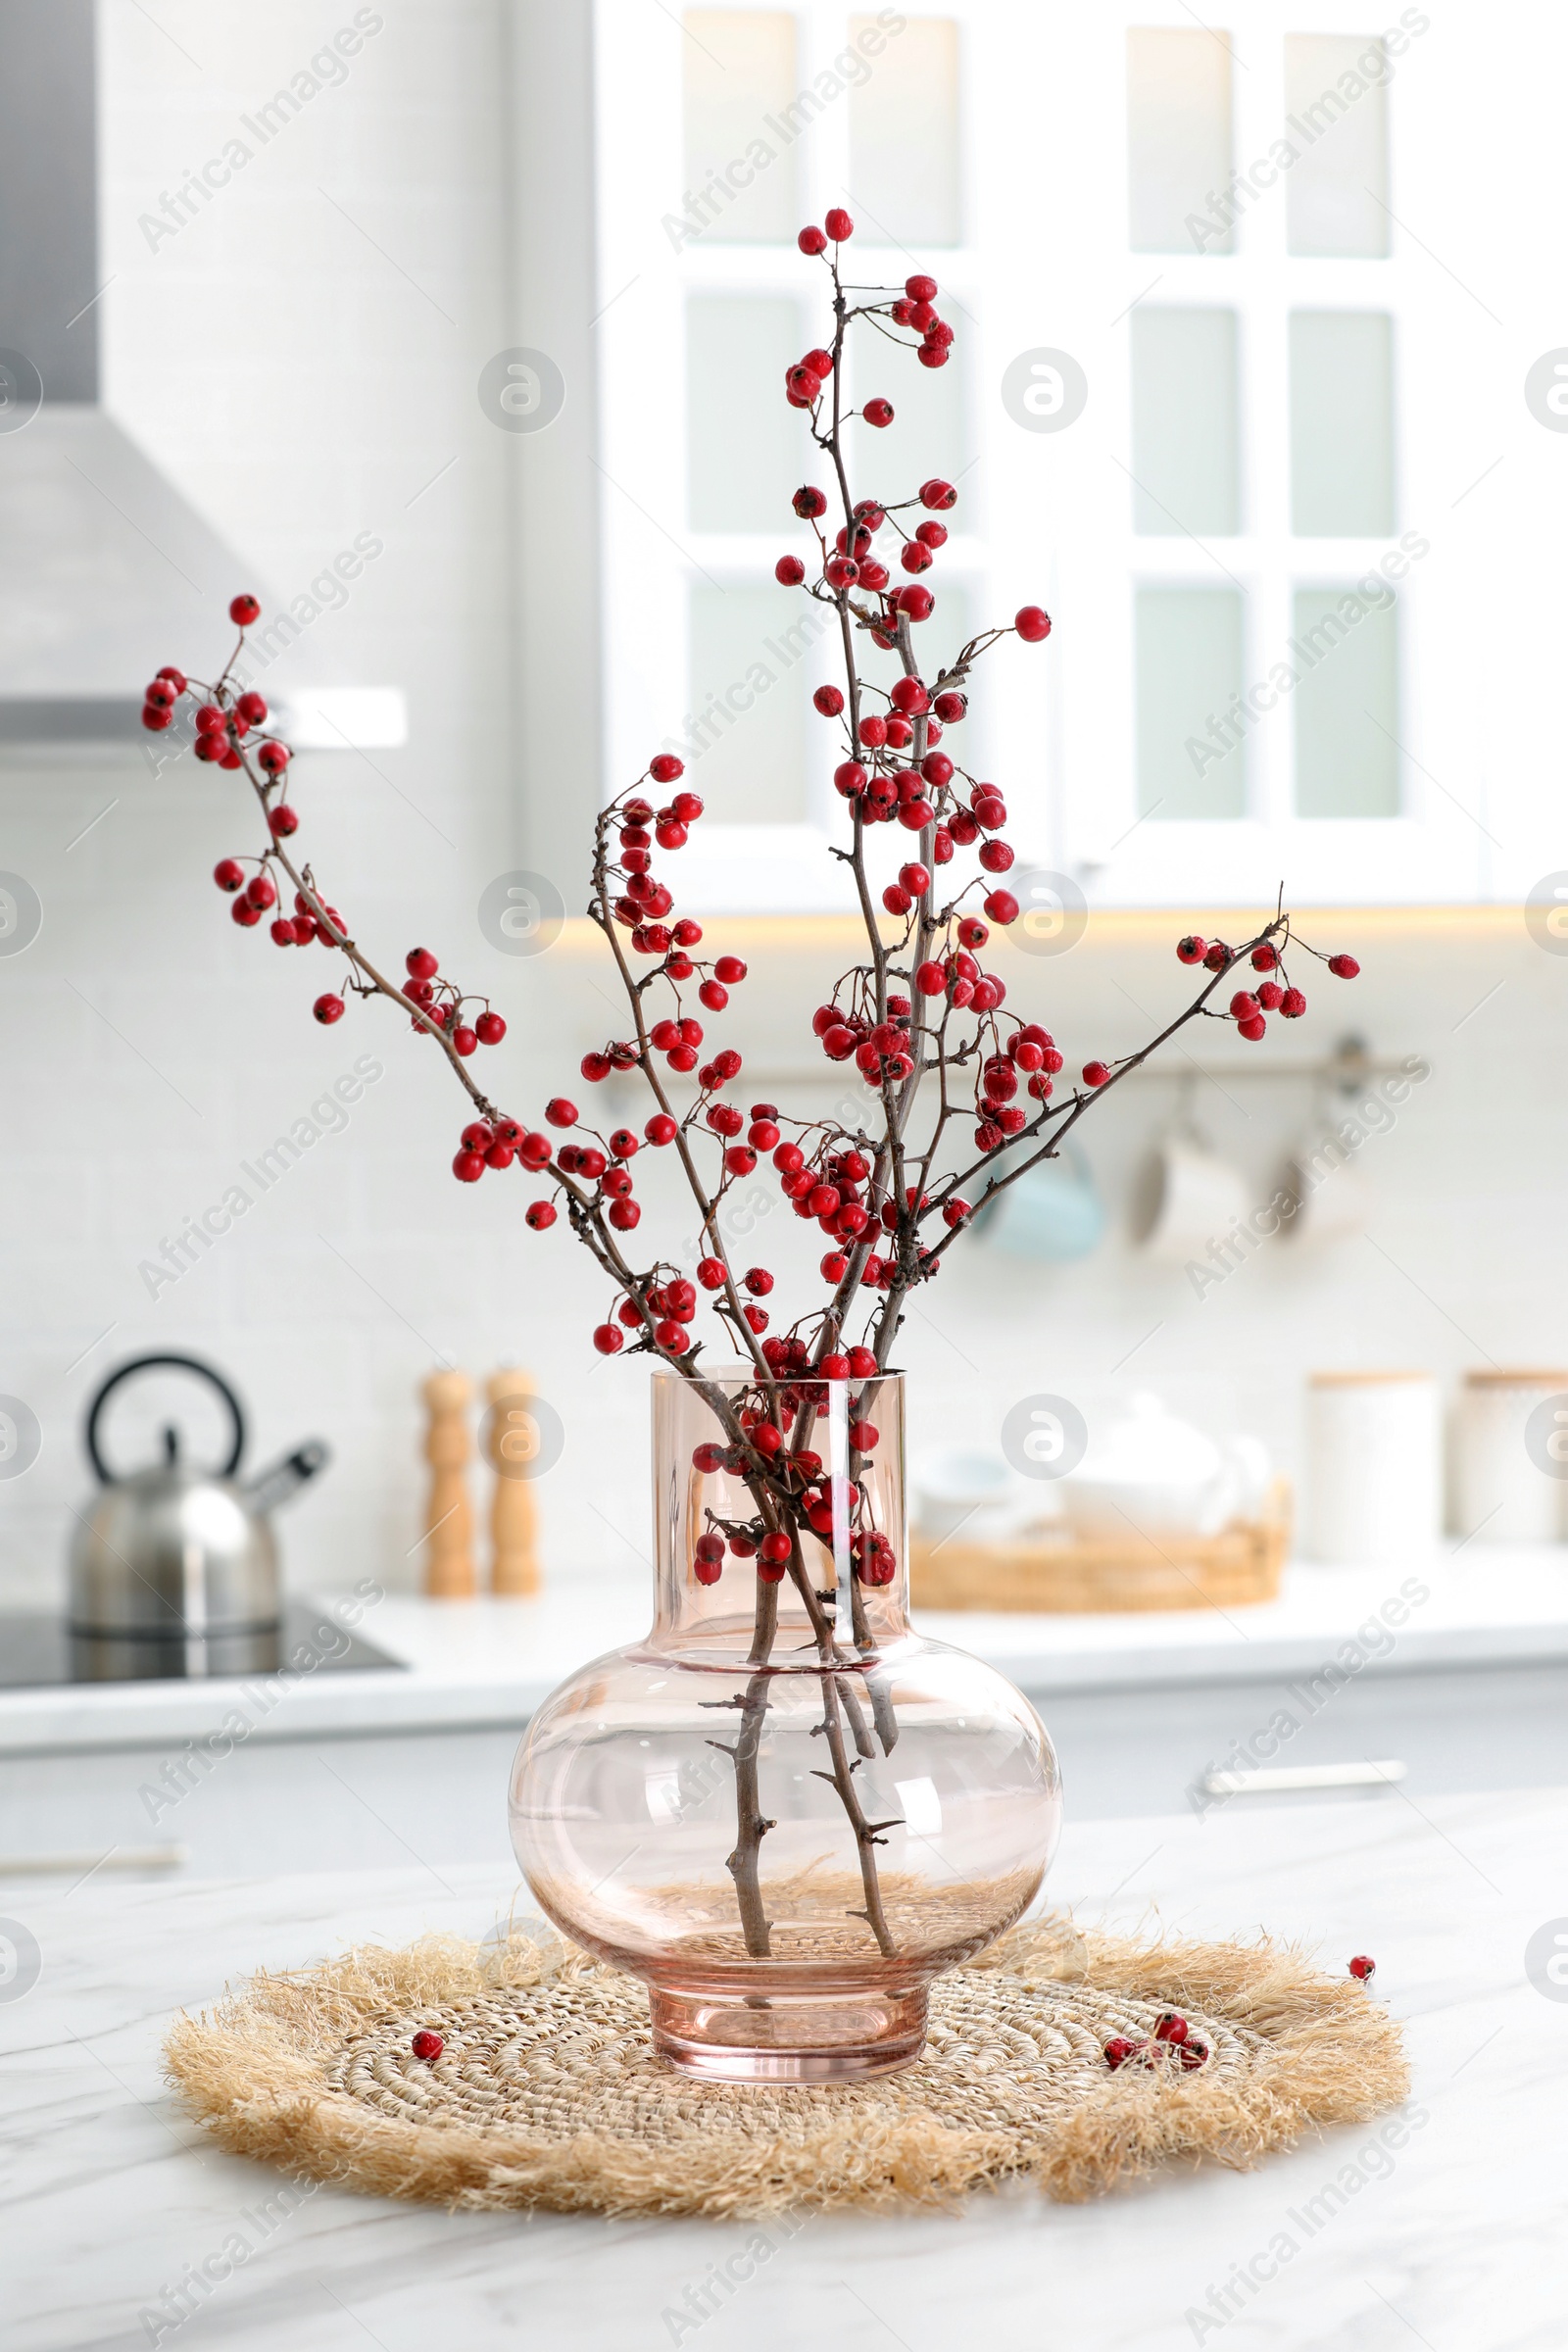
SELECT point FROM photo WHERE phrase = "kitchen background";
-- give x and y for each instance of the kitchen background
(300, 358)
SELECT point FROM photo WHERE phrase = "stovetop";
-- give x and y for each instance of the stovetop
(37, 1650)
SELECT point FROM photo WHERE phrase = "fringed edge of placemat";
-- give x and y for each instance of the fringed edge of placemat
(250, 2071)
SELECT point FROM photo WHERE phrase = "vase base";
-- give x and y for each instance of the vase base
(788, 2037)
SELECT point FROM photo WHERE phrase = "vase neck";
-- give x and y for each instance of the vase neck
(832, 1488)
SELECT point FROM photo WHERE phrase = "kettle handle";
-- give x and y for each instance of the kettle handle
(182, 1364)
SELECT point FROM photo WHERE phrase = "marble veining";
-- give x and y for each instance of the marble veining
(1453, 2238)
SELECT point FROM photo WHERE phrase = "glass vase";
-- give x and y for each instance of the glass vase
(784, 1810)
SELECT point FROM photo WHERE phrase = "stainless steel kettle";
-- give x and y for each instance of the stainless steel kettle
(173, 1551)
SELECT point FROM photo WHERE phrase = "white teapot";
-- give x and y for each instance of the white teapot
(1146, 1472)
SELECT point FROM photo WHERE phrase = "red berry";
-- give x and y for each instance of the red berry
(1118, 2051)
(261, 892)
(228, 873)
(758, 1281)
(560, 1112)
(154, 718)
(661, 1128)
(282, 931)
(1343, 968)
(159, 694)
(1192, 948)
(176, 677)
(273, 757)
(1032, 623)
(426, 2045)
(1192, 2052)
(862, 1364)
(714, 995)
(840, 227)
(1217, 957)
(608, 1339)
(490, 1028)
(210, 720)
(468, 1167)
(252, 708)
(1244, 1004)
(1253, 1029)
(789, 571)
(1264, 959)
(1095, 1073)
(812, 241)
(664, 767)
(1293, 1005)
(1270, 995)
(1002, 906)
(421, 964)
(283, 820)
(1363, 1967)
(243, 610)
(730, 969)
(625, 1215)
(540, 1214)
(1172, 2027)
(711, 1273)
(835, 1265)
(244, 913)
(464, 1041)
(878, 412)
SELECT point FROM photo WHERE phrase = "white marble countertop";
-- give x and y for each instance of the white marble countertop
(469, 1663)
(110, 2196)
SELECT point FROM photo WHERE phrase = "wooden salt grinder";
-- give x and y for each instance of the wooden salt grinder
(449, 1520)
(510, 1440)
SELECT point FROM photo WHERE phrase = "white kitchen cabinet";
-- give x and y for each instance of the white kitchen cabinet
(1239, 392)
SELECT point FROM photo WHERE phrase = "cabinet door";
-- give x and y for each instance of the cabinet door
(1230, 394)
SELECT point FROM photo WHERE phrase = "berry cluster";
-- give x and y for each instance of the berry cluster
(1250, 1008)
(1172, 2041)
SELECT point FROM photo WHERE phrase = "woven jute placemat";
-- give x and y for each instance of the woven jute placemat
(548, 2092)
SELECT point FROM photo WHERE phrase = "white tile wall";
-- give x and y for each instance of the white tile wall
(148, 1046)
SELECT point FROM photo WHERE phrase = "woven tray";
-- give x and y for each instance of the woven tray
(1058, 1573)
(547, 2092)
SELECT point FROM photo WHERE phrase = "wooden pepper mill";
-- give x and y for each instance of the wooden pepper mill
(511, 1442)
(449, 1519)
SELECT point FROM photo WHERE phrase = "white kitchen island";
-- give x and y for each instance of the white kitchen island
(1455, 2241)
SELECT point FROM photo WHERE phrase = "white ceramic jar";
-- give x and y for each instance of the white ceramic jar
(1497, 1493)
(1373, 1486)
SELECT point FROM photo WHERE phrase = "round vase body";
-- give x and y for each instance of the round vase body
(784, 1810)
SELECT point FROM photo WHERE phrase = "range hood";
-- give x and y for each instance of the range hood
(106, 570)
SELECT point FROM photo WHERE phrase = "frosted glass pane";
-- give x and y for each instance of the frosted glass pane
(904, 131)
(1337, 109)
(1346, 655)
(932, 433)
(1188, 670)
(741, 186)
(746, 724)
(746, 449)
(1178, 139)
(1185, 471)
(1342, 425)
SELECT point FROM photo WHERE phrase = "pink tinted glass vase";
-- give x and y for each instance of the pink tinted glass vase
(783, 1808)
